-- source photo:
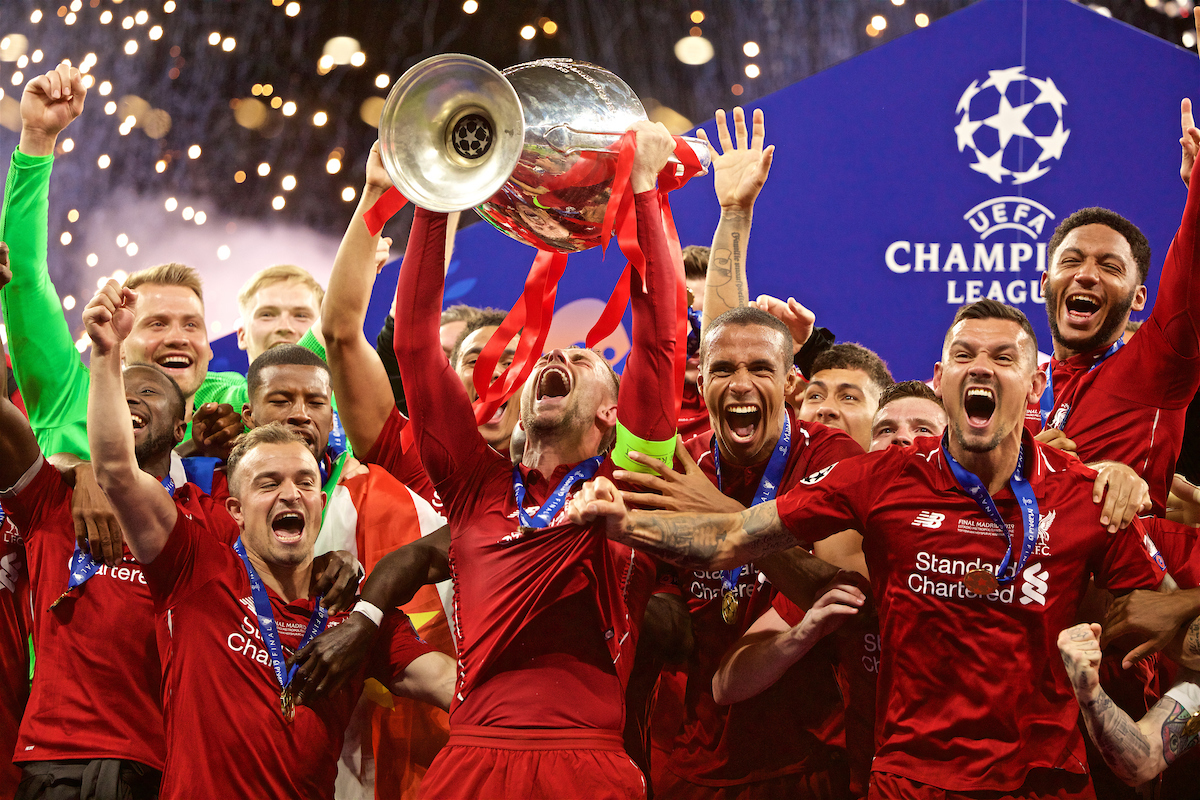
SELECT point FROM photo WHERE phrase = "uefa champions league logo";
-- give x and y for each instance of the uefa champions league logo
(1013, 125)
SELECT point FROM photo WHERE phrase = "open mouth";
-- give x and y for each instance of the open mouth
(288, 526)
(979, 404)
(1081, 307)
(553, 382)
(175, 361)
(139, 421)
(498, 416)
(742, 420)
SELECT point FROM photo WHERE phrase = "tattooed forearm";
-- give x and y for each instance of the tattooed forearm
(737, 268)
(708, 541)
(1126, 749)
(1175, 741)
(1191, 641)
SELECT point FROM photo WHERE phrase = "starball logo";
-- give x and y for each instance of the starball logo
(1012, 126)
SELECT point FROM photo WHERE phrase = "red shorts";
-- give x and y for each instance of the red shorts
(1040, 784)
(830, 784)
(486, 763)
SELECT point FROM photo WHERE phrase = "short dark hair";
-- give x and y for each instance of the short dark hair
(1138, 243)
(851, 355)
(487, 317)
(278, 356)
(906, 389)
(993, 309)
(176, 393)
(743, 316)
(695, 261)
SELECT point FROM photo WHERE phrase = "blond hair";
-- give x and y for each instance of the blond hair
(172, 274)
(279, 273)
(271, 433)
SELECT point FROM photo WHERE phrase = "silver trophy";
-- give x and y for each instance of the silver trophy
(529, 148)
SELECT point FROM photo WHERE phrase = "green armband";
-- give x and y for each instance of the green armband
(663, 450)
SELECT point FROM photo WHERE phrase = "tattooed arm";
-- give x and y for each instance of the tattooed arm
(740, 172)
(698, 541)
(1135, 751)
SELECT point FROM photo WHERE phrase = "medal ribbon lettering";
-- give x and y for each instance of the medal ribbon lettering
(768, 487)
(83, 566)
(583, 471)
(270, 632)
(1026, 499)
(1047, 399)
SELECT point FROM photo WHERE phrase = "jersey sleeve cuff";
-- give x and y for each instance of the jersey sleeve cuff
(1187, 694)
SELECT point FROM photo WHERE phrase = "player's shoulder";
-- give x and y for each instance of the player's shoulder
(699, 447)
(1054, 464)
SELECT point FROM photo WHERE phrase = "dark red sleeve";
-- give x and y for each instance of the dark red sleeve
(443, 423)
(1177, 303)
(1128, 562)
(789, 612)
(837, 497)
(37, 500)
(646, 406)
(829, 445)
(396, 646)
(1179, 545)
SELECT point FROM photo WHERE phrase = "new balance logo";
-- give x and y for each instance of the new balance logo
(1033, 588)
(929, 519)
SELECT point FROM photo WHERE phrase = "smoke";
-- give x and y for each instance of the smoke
(160, 236)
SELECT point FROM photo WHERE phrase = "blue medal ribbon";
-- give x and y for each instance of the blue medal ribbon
(83, 566)
(266, 620)
(583, 471)
(1047, 399)
(768, 487)
(1021, 490)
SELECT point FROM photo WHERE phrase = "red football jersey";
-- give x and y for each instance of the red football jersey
(15, 625)
(544, 628)
(225, 732)
(801, 715)
(405, 465)
(972, 691)
(90, 697)
(693, 414)
(1131, 407)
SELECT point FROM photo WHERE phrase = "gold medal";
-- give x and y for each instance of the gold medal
(729, 608)
(1192, 726)
(61, 597)
(980, 582)
(287, 705)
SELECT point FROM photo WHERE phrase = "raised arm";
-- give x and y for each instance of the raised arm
(646, 403)
(698, 541)
(439, 409)
(770, 647)
(740, 172)
(49, 372)
(360, 382)
(1135, 751)
(144, 509)
(18, 447)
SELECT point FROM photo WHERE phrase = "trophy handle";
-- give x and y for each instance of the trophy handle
(566, 140)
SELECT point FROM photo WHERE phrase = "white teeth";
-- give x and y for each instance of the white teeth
(741, 409)
(979, 392)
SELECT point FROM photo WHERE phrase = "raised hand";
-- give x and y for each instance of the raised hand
(108, 317)
(1150, 620)
(654, 147)
(49, 104)
(325, 663)
(1056, 439)
(335, 576)
(377, 177)
(1080, 650)
(742, 166)
(800, 320)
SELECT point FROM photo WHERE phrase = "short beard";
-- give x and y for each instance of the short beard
(1114, 322)
(978, 448)
(155, 445)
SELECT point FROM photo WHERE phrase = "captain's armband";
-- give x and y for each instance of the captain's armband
(663, 450)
